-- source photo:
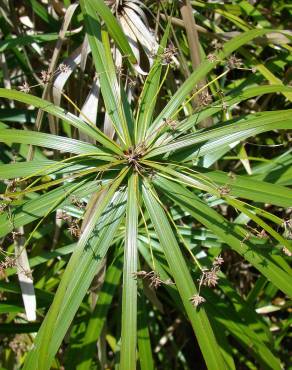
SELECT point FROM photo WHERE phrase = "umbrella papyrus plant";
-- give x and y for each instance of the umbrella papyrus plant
(130, 185)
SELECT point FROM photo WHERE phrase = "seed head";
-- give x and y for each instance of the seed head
(16, 235)
(224, 190)
(212, 58)
(286, 251)
(74, 229)
(168, 54)
(28, 274)
(196, 300)
(64, 68)
(3, 206)
(216, 45)
(140, 274)
(2, 272)
(153, 278)
(24, 87)
(46, 76)
(132, 82)
(210, 277)
(263, 234)
(234, 62)
(205, 99)
(218, 261)
(170, 123)
(8, 262)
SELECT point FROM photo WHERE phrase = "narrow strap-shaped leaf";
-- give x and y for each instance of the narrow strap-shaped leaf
(144, 343)
(70, 118)
(107, 76)
(125, 113)
(225, 346)
(223, 314)
(83, 266)
(236, 96)
(243, 128)
(149, 93)
(61, 143)
(24, 213)
(206, 66)
(246, 311)
(239, 186)
(129, 303)
(114, 28)
(249, 188)
(184, 282)
(226, 231)
(44, 167)
(98, 317)
(220, 313)
(9, 43)
(25, 277)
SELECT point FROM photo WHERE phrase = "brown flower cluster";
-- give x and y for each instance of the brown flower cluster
(209, 278)
(74, 228)
(171, 123)
(8, 262)
(286, 251)
(153, 278)
(46, 77)
(168, 54)
(204, 99)
(196, 300)
(234, 62)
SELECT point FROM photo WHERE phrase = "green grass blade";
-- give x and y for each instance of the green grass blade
(238, 186)
(23, 213)
(83, 266)
(9, 43)
(61, 113)
(249, 188)
(61, 143)
(223, 314)
(144, 343)
(228, 232)
(236, 96)
(129, 303)
(107, 76)
(98, 317)
(247, 312)
(206, 66)
(41, 11)
(150, 91)
(224, 134)
(184, 282)
(113, 27)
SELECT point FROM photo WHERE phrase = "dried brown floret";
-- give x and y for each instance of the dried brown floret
(46, 76)
(24, 87)
(204, 99)
(210, 278)
(196, 300)
(218, 261)
(153, 278)
(64, 68)
(169, 122)
(286, 251)
(234, 62)
(168, 54)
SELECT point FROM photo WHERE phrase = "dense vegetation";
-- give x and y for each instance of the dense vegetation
(145, 186)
